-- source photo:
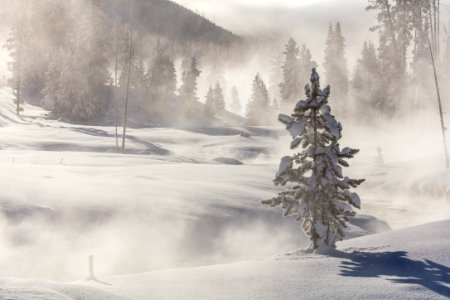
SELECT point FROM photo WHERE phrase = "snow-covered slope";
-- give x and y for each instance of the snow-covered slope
(178, 198)
(380, 266)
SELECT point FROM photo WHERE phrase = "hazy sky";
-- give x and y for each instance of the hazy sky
(305, 20)
(226, 13)
(283, 3)
(247, 17)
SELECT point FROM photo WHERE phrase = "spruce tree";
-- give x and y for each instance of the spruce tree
(15, 44)
(215, 101)
(290, 89)
(219, 99)
(392, 80)
(162, 81)
(210, 109)
(258, 108)
(335, 64)
(235, 106)
(53, 88)
(306, 64)
(366, 84)
(79, 90)
(317, 192)
(188, 89)
(275, 76)
(397, 27)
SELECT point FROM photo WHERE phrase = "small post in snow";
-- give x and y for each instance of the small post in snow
(91, 267)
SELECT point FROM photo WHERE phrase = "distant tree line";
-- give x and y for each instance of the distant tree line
(72, 58)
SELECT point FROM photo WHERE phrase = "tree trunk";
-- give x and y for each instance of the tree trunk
(115, 87)
(19, 63)
(444, 138)
(391, 24)
(438, 30)
(125, 120)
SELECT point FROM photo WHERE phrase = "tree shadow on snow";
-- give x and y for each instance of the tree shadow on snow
(93, 131)
(398, 268)
(95, 279)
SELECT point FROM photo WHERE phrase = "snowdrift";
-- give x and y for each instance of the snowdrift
(379, 266)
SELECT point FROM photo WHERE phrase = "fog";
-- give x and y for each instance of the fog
(187, 191)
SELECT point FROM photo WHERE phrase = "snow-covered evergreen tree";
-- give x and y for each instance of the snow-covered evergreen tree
(219, 99)
(335, 62)
(78, 92)
(258, 108)
(317, 192)
(236, 105)
(366, 85)
(53, 88)
(210, 109)
(15, 44)
(275, 76)
(290, 88)
(275, 105)
(392, 79)
(188, 89)
(397, 27)
(306, 63)
(215, 101)
(162, 81)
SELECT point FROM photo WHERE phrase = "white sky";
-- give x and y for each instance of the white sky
(198, 4)
(217, 9)
(247, 17)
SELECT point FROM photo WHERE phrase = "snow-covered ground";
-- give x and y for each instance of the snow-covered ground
(391, 265)
(190, 199)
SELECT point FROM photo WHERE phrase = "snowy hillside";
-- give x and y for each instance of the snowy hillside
(191, 198)
(381, 266)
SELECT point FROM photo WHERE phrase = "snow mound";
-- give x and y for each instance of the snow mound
(17, 212)
(380, 266)
(228, 161)
(362, 225)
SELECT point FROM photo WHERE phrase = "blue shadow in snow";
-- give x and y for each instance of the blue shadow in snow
(397, 265)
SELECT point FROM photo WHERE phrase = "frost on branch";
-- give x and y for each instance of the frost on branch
(316, 191)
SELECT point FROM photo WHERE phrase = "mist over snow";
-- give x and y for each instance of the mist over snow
(193, 149)
(306, 21)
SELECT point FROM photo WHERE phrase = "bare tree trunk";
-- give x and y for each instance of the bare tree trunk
(444, 138)
(435, 27)
(431, 26)
(19, 62)
(125, 120)
(438, 29)
(115, 87)
(391, 23)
